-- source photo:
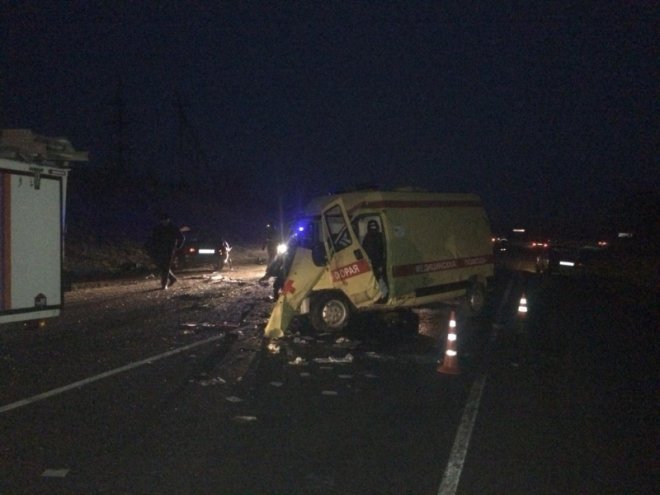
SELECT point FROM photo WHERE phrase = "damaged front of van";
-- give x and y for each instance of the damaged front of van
(328, 260)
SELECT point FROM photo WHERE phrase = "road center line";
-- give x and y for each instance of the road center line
(452, 475)
(106, 374)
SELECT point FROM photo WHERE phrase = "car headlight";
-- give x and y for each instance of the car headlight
(282, 248)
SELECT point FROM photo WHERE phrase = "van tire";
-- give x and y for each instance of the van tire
(475, 298)
(329, 312)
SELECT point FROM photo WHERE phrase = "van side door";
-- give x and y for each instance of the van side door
(349, 266)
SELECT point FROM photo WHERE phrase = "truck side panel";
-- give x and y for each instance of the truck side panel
(30, 245)
(436, 250)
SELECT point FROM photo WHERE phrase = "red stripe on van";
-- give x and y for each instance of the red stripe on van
(440, 265)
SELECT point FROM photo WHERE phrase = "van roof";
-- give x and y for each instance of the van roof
(378, 200)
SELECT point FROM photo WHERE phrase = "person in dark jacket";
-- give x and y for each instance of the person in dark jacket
(270, 243)
(279, 268)
(165, 239)
(374, 245)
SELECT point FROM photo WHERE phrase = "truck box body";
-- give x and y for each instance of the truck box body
(437, 248)
(33, 180)
(31, 217)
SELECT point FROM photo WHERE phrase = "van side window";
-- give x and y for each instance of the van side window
(339, 234)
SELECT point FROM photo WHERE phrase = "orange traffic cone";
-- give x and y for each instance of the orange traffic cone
(450, 362)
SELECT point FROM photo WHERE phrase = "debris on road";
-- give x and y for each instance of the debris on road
(298, 362)
(244, 419)
(55, 473)
(273, 348)
(375, 355)
(212, 381)
(344, 343)
(334, 360)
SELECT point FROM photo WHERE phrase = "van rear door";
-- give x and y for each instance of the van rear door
(349, 267)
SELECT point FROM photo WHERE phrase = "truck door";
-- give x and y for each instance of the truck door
(31, 251)
(349, 267)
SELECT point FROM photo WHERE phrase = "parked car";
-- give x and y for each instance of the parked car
(202, 248)
(568, 259)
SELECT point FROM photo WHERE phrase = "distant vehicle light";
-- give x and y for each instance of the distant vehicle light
(282, 248)
(519, 231)
(191, 250)
(207, 251)
(602, 243)
(567, 263)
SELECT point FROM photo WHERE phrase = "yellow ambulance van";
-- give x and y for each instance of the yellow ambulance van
(433, 248)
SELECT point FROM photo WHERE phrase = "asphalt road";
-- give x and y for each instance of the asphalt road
(137, 390)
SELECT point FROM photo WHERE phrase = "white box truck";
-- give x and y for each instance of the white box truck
(437, 248)
(33, 179)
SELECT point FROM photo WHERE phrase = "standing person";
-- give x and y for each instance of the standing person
(270, 243)
(374, 245)
(165, 239)
(279, 269)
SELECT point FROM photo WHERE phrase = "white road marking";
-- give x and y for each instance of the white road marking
(55, 473)
(454, 467)
(106, 374)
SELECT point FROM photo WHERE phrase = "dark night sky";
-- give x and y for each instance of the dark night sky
(548, 110)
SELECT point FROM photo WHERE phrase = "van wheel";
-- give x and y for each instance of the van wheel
(329, 312)
(475, 299)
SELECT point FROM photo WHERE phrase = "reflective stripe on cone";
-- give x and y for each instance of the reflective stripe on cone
(450, 362)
